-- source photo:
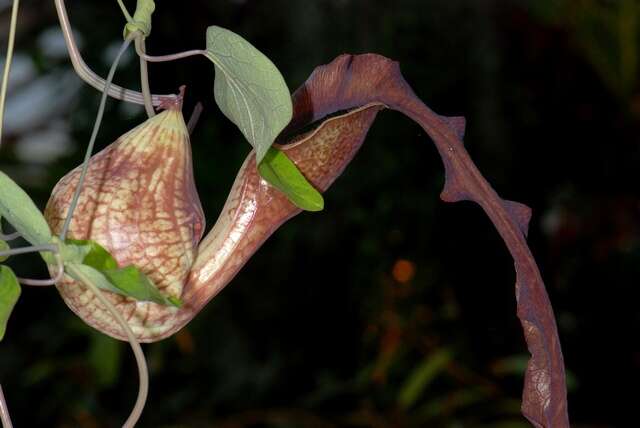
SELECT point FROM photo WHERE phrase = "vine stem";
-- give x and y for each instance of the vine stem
(85, 73)
(144, 75)
(143, 373)
(94, 134)
(4, 411)
(7, 64)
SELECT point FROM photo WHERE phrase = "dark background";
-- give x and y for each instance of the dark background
(318, 330)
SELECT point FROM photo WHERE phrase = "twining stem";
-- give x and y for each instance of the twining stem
(144, 75)
(7, 63)
(91, 78)
(94, 134)
(137, 349)
(4, 411)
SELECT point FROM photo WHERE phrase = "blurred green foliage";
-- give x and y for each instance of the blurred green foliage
(390, 308)
(607, 33)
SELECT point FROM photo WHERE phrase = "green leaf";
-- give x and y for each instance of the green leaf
(19, 210)
(248, 88)
(105, 356)
(136, 284)
(94, 254)
(285, 176)
(128, 281)
(4, 247)
(9, 294)
(422, 376)
(93, 275)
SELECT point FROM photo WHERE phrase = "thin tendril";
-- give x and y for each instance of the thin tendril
(92, 141)
(85, 73)
(137, 349)
(7, 64)
(195, 116)
(4, 411)
(144, 76)
(125, 12)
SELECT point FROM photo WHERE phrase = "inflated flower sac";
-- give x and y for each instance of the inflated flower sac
(139, 201)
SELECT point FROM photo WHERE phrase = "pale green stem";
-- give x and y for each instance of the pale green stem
(94, 134)
(137, 349)
(85, 73)
(7, 64)
(4, 411)
(144, 76)
(125, 12)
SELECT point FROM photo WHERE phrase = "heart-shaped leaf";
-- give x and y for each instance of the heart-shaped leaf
(248, 88)
(9, 294)
(285, 176)
(19, 210)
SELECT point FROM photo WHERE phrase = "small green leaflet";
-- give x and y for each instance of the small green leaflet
(9, 294)
(285, 176)
(248, 88)
(94, 275)
(19, 210)
(128, 281)
(102, 268)
(3, 247)
(137, 285)
(95, 255)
